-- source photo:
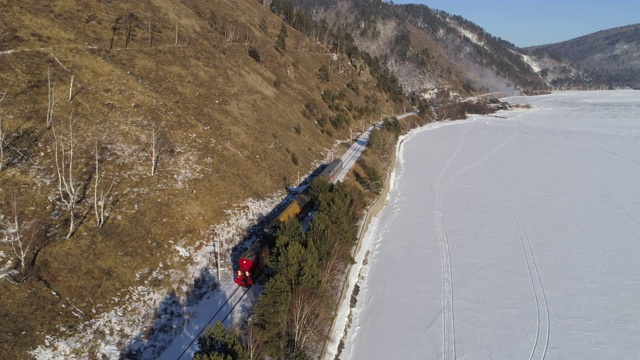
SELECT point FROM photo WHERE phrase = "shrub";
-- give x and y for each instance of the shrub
(323, 73)
(253, 52)
(281, 40)
(310, 110)
(353, 86)
(340, 120)
(263, 25)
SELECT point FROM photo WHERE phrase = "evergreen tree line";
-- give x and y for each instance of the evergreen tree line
(293, 314)
(377, 155)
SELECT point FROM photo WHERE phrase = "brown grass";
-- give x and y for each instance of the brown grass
(231, 134)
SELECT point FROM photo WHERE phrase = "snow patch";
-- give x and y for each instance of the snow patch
(182, 251)
(531, 61)
(470, 35)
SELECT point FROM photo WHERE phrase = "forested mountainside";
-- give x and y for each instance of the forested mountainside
(427, 49)
(605, 59)
(133, 133)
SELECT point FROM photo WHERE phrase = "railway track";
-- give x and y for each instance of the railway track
(232, 301)
(354, 152)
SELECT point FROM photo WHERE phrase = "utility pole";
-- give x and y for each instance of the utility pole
(217, 254)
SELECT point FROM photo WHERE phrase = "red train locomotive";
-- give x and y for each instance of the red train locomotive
(251, 262)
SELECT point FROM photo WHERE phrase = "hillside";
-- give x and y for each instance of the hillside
(428, 49)
(607, 59)
(133, 135)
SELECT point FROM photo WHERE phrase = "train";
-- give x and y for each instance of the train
(252, 260)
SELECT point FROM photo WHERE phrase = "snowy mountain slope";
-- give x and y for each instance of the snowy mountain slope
(428, 48)
(609, 57)
(560, 75)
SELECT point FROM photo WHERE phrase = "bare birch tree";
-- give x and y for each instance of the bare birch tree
(150, 37)
(21, 237)
(252, 342)
(157, 143)
(73, 78)
(69, 189)
(52, 100)
(176, 34)
(306, 317)
(229, 32)
(331, 267)
(100, 196)
(443, 112)
(3, 135)
(248, 38)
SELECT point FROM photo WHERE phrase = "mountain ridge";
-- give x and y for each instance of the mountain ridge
(609, 58)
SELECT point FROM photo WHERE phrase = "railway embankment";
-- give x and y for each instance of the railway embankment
(341, 322)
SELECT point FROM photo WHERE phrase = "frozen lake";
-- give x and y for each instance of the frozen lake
(510, 238)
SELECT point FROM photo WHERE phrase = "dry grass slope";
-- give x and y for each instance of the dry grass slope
(139, 66)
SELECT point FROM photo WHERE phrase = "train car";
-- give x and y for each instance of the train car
(329, 173)
(297, 206)
(252, 260)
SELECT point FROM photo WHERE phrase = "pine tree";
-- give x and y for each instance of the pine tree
(219, 344)
(309, 274)
(320, 191)
(290, 231)
(281, 40)
(319, 236)
(289, 263)
(271, 314)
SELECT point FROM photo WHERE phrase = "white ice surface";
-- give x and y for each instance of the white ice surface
(514, 238)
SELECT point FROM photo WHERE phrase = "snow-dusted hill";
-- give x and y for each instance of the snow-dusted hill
(610, 58)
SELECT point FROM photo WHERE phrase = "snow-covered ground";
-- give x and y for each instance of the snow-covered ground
(510, 238)
(177, 317)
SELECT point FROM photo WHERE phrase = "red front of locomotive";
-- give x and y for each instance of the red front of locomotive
(245, 271)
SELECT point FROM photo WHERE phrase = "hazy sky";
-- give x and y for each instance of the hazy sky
(538, 22)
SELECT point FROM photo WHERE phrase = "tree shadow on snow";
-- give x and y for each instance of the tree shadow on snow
(172, 320)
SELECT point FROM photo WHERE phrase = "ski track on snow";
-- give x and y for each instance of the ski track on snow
(448, 319)
(448, 330)
(542, 307)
